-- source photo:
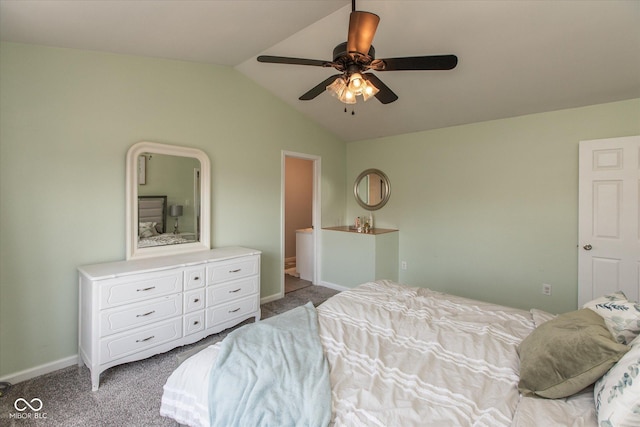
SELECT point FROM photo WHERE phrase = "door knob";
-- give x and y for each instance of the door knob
(587, 247)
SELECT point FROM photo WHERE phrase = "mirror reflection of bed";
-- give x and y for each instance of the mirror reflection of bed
(168, 200)
(152, 224)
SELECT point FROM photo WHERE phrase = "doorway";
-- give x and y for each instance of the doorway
(609, 218)
(300, 213)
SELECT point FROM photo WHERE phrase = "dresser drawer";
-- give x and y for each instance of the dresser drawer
(124, 290)
(233, 269)
(122, 345)
(194, 278)
(194, 300)
(120, 319)
(219, 294)
(220, 314)
(193, 323)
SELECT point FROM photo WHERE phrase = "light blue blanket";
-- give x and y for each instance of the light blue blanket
(272, 373)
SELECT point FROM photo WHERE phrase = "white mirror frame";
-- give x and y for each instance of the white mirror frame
(136, 150)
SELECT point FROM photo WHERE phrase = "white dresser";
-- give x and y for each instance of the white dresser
(131, 310)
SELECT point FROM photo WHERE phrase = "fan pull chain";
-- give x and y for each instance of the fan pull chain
(353, 111)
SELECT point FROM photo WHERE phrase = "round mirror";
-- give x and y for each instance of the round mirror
(372, 189)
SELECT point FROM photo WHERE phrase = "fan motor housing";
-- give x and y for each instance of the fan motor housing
(340, 51)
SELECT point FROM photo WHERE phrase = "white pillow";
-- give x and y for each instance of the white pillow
(617, 393)
(621, 316)
(147, 229)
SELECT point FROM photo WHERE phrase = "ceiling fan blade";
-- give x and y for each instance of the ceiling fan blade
(294, 61)
(386, 95)
(362, 28)
(433, 62)
(317, 90)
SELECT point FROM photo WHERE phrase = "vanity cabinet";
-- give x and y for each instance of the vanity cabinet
(350, 258)
(131, 310)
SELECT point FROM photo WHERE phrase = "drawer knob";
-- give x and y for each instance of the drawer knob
(145, 289)
(234, 291)
(196, 278)
(146, 314)
(236, 270)
(233, 311)
(146, 339)
(196, 322)
(196, 300)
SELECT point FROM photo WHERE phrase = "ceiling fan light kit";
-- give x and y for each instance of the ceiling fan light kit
(356, 56)
(347, 90)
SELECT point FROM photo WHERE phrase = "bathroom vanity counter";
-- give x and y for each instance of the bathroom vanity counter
(352, 229)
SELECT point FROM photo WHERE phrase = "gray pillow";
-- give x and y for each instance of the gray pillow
(567, 354)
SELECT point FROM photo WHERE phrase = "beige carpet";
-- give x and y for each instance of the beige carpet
(129, 394)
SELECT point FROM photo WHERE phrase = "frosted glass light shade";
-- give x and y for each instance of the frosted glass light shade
(369, 91)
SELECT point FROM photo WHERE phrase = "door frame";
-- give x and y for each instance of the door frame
(316, 211)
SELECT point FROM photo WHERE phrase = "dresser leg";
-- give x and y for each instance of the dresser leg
(95, 381)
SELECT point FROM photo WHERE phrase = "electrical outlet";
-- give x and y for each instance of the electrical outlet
(546, 289)
(403, 265)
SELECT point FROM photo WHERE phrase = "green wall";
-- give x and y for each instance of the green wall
(490, 210)
(67, 118)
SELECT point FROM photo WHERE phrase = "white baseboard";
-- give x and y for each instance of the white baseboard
(36, 371)
(333, 286)
(270, 298)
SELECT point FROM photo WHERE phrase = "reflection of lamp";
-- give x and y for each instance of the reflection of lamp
(175, 211)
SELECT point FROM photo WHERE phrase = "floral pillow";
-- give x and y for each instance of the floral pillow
(147, 229)
(621, 316)
(617, 393)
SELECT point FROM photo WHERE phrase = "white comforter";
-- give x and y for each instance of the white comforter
(403, 356)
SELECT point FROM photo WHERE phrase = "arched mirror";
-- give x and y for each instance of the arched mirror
(168, 204)
(372, 189)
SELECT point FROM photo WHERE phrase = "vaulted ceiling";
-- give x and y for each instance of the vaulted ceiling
(515, 57)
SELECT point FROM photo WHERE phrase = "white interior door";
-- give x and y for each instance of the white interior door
(609, 221)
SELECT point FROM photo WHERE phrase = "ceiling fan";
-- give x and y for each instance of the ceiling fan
(355, 57)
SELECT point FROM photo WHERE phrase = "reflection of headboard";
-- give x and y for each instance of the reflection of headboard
(153, 209)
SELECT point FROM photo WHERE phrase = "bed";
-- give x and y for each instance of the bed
(404, 356)
(152, 223)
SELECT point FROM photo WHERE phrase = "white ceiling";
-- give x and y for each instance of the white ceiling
(515, 57)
